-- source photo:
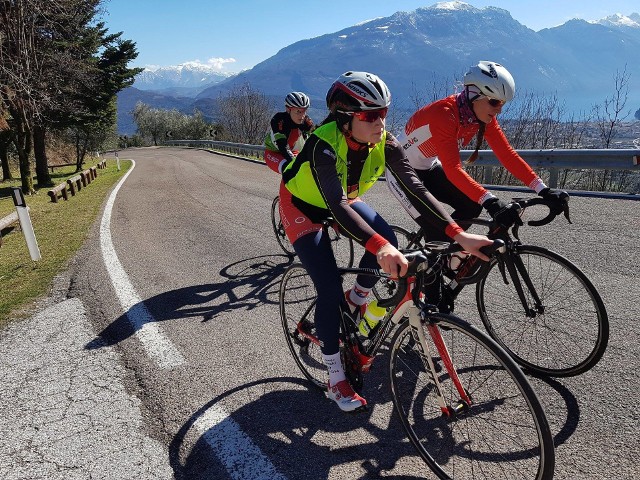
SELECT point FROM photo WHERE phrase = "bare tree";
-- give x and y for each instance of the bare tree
(244, 114)
(610, 114)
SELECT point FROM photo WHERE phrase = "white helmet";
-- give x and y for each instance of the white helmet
(357, 92)
(297, 100)
(492, 79)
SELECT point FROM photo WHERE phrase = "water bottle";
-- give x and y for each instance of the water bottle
(372, 317)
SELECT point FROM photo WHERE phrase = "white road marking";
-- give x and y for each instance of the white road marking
(160, 348)
(234, 449)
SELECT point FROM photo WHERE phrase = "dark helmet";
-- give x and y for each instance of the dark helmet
(357, 92)
(297, 100)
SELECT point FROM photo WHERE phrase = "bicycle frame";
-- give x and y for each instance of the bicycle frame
(410, 305)
(509, 261)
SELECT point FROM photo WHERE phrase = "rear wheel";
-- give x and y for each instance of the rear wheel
(502, 433)
(342, 247)
(297, 308)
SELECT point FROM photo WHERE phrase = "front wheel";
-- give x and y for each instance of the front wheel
(560, 328)
(278, 229)
(501, 433)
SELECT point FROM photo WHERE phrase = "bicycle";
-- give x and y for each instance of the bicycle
(464, 403)
(342, 245)
(538, 305)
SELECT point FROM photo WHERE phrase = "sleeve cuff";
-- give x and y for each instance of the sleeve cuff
(375, 243)
(453, 229)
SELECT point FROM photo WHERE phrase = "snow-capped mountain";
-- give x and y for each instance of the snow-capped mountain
(435, 45)
(619, 20)
(194, 76)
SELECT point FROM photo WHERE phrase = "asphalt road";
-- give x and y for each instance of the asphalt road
(160, 354)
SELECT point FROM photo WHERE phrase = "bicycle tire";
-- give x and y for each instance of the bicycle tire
(568, 337)
(342, 247)
(504, 433)
(297, 306)
(278, 229)
(385, 287)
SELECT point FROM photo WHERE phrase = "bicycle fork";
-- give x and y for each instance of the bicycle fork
(417, 321)
(517, 270)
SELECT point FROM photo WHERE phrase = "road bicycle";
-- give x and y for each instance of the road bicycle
(539, 306)
(464, 403)
(341, 245)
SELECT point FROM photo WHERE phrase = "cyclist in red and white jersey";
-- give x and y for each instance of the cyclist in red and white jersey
(287, 131)
(433, 136)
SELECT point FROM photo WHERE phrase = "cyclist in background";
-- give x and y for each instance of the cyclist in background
(434, 134)
(340, 161)
(287, 131)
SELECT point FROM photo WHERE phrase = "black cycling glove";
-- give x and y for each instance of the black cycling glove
(502, 213)
(556, 198)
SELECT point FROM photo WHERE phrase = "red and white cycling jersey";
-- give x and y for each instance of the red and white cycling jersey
(436, 132)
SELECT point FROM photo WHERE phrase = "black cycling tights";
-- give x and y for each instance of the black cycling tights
(314, 251)
(446, 192)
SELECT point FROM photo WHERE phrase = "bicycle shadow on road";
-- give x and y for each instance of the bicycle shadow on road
(562, 421)
(295, 430)
(303, 435)
(250, 283)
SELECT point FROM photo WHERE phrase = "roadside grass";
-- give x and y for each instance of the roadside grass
(60, 229)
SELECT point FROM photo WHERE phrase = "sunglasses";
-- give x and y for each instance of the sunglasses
(495, 102)
(369, 116)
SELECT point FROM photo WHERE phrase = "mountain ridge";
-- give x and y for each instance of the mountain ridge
(437, 43)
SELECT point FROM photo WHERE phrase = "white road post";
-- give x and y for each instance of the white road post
(25, 223)
(118, 161)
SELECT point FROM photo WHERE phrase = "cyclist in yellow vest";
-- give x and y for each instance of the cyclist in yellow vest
(287, 131)
(340, 161)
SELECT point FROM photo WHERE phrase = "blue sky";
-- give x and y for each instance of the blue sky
(236, 35)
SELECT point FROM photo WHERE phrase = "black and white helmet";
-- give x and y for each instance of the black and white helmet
(492, 80)
(357, 92)
(297, 100)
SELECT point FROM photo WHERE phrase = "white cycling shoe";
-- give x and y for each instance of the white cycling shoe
(347, 399)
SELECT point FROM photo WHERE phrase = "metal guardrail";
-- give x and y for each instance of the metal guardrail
(552, 160)
(556, 160)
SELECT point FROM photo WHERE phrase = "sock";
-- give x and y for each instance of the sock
(358, 295)
(334, 366)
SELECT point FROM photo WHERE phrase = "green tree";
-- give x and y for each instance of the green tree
(59, 68)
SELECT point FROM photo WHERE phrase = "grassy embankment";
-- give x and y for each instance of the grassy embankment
(60, 229)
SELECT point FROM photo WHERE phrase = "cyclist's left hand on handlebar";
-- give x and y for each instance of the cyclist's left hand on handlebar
(556, 198)
(392, 261)
(472, 243)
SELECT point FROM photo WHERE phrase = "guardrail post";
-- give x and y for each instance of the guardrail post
(553, 177)
(25, 223)
(487, 178)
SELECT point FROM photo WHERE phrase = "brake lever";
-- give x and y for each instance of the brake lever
(565, 210)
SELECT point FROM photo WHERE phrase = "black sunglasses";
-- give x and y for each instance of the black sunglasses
(495, 102)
